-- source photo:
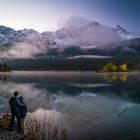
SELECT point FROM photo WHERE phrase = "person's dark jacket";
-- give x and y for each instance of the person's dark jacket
(15, 105)
(23, 109)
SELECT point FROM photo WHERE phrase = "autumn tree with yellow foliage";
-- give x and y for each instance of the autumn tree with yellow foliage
(110, 67)
(123, 67)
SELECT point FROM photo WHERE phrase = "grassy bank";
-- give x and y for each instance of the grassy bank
(34, 130)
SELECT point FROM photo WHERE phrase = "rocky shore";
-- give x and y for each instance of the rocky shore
(5, 134)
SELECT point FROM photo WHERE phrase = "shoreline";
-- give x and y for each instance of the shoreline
(46, 71)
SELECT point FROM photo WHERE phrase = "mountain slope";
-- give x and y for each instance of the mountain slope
(90, 38)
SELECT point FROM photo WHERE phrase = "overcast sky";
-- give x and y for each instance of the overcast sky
(44, 15)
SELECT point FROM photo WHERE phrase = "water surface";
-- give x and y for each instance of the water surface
(90, 105)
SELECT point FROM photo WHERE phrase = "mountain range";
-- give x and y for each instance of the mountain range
(90, 40)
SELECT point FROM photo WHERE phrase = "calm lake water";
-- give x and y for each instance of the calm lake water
(91, 106)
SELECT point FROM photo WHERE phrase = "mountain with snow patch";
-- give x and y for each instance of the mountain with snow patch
(123, 33)
(90, 35)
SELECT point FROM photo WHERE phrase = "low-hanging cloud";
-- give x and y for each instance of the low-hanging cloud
(90, 32)
(31, 46)
(75, 21)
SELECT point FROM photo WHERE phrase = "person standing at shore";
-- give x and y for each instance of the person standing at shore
(15, 106)
(23, 111)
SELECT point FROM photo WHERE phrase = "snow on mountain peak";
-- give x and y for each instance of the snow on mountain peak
(123, 33)
(121, 29)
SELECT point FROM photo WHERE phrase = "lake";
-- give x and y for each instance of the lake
(89, 105)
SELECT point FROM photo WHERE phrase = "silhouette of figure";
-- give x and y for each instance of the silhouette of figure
(23, 111)
(15, 105)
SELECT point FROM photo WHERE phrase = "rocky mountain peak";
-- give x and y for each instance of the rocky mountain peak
(93, 24)
(121, 29)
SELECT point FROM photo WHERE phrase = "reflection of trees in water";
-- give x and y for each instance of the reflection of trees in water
(39, 93)
(4, 78)
(121, 85)
(113, 77)
(128, 90)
